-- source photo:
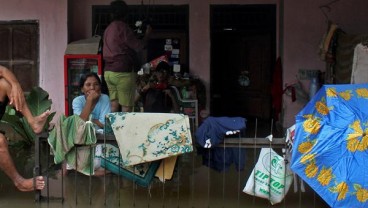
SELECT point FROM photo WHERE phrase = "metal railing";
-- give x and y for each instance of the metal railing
(194, 184)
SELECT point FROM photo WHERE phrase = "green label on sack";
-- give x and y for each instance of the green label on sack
(273, 163)
(264, 178)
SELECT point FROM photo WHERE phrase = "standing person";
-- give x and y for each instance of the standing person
(11, 93)
(92, 104)
(121, 49)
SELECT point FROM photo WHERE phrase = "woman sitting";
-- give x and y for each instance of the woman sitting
(93, 106)
(92, 103)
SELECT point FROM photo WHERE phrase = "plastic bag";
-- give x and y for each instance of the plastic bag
(270, 178)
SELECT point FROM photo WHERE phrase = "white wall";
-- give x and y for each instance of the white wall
(52, 17)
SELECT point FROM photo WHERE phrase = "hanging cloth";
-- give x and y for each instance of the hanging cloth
(359, 72)
(71, 140)
(277, 91)
(326, 42)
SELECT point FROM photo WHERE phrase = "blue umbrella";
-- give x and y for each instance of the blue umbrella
(331, 143)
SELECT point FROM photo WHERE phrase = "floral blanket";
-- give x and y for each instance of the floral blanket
(145, 137)
(141, 174)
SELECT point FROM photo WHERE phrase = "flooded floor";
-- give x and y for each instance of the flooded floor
(193, 185)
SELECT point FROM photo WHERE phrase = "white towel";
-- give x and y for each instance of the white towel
(359, 73)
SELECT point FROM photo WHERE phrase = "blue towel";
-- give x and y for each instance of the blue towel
(212, 131)
(220, 159)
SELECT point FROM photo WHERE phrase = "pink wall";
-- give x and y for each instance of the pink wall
(301, 29)
(52, 17)
(199, 36)
(304, 25)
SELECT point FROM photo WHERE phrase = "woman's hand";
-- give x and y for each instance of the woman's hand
(175, 108)
(93, 96)
(147, 87)
(98, 123)
(168, 93)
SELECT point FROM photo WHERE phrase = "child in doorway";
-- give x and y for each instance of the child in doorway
(156, 94)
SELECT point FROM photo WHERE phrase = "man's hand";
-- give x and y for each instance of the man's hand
(16, 97)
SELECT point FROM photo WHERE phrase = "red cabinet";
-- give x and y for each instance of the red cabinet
(74, 66)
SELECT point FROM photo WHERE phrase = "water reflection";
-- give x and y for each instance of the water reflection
(193, 185)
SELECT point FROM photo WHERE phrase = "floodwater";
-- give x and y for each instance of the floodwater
(193, 185)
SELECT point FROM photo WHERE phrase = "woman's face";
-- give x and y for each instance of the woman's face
(161, 76)
(91, 84)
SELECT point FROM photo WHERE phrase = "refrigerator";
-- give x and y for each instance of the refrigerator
(74, 66)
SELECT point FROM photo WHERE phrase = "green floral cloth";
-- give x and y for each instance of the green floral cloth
(72, 139)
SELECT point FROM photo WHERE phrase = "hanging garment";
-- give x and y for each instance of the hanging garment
(345, 46)
(211, 133)
(359, 72)
(326, 42)
(213, 130)
(220, 159)
(277, 90)
(72, 140)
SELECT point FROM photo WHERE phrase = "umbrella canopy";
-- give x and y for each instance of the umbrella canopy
(331, 142)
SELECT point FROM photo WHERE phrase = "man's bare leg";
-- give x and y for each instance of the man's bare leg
(126, 108)
(101, 172)
(7, 165)
(115, 106)
(36, 122)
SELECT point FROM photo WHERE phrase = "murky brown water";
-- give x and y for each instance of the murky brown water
(193, 185)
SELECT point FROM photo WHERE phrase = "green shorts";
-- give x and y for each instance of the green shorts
(121, 86)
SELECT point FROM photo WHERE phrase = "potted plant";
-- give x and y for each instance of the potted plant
(38, 102)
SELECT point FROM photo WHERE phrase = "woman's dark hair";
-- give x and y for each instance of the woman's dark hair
(165, 67)
(119, 9)
(85, 76)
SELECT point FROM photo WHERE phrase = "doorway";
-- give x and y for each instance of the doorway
(243, 53)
